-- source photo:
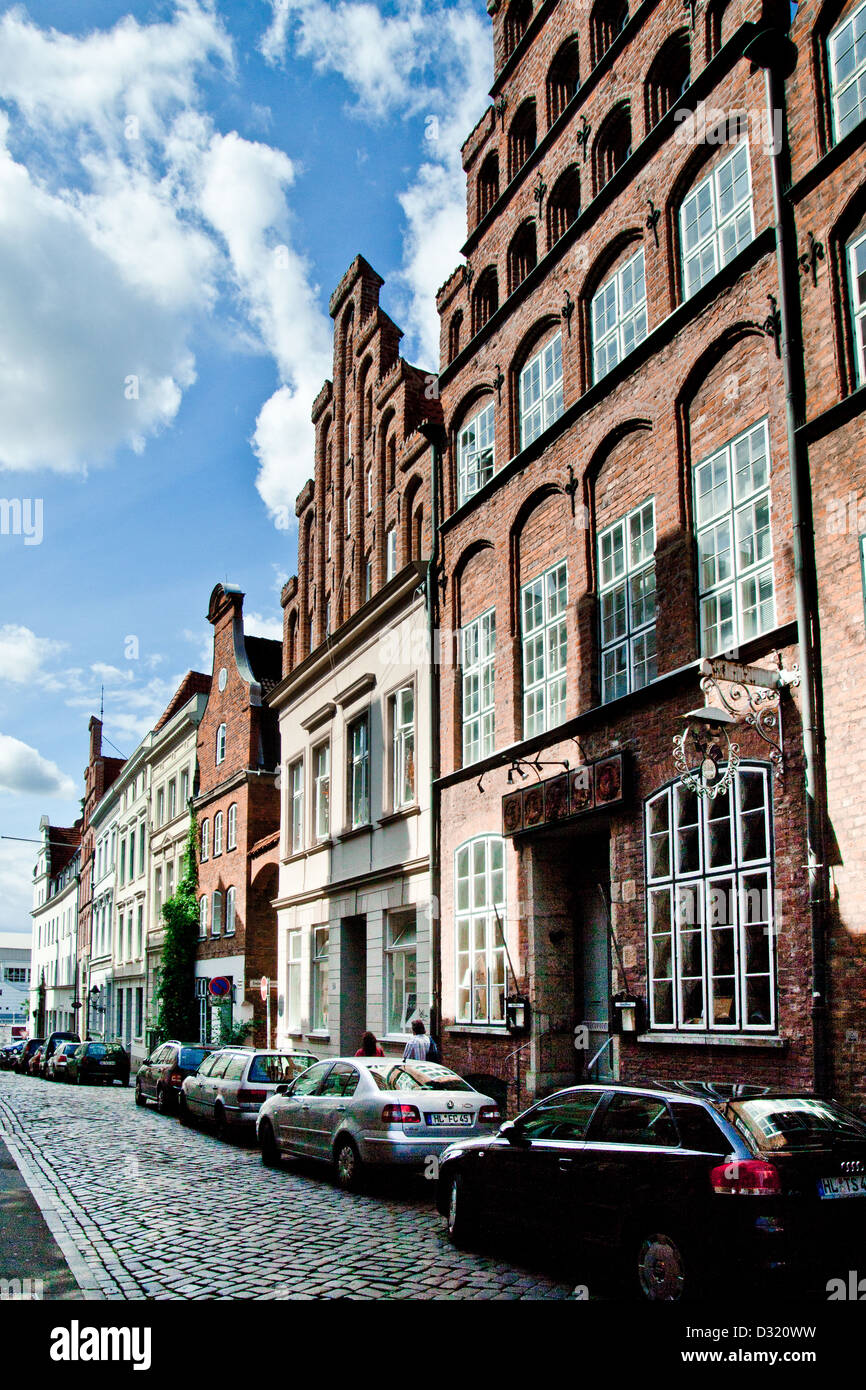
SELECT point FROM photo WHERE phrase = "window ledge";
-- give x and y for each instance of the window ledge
(404, 813)
(475, 1030)
(319, 1037)
(715, 1039)
(355, 831)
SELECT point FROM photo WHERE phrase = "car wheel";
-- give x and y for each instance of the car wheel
(665, 1274)
(268, 1146)
(163, 1103)
(183, 1110)
(221, 1128)
(462, 1224)
(140, 1098)
(348, 1163)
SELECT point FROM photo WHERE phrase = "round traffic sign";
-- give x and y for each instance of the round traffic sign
(220, 986)
(264, 986)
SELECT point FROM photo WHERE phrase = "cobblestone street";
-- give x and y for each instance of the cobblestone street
(144, 1208)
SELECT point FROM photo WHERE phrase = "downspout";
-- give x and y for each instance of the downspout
(434, 433)
(775, 53)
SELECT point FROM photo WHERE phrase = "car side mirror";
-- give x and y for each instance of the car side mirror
(514, 1134)
(282, 1089)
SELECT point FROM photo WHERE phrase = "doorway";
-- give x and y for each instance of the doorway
(591, 927)
(353, 983)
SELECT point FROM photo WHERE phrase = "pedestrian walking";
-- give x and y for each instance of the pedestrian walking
(421, 1047)
(369, 1047)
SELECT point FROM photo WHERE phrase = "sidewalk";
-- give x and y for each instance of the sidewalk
(28, 1250)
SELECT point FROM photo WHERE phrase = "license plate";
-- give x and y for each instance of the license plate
(106, 1064)
(854, 1186)
(450, 1119)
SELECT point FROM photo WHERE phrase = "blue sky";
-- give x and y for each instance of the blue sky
(181, 187)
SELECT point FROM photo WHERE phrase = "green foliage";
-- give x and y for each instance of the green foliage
(237, 1035)
(177, 1015)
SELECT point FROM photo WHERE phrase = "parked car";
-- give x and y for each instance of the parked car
(357, 1111)
(9, 1055)
(51, 1046)
(231, 1085)
(99, 1062)
(22, 1063)
(57, 1066)
(34, 1061)
(162, 1075)
(684, 1188)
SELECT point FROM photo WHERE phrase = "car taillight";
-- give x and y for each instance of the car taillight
(751, 1177)
(401, 1115)
(176, 1078)
(488, 1114)
(248, 1097)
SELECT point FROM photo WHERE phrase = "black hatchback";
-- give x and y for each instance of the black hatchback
(162, 1075)
(103, 1062)
(687, 1189)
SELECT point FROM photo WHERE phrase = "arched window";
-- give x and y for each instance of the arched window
(368, 413)
(417, 533)
(202, 915)
(618, 315)
(392, 460)
(521, 255)
(516, 23)
(479, 909)
(714, 20)
(716, 219)
(221, 744)
(563, 205)
(668, 77)
(521, 137)
(232, 840)
(218, 833)
(613, 145)
(230, 911)
(205, 839)
(454, 328)
(485, 300)
(488, 184)
(475, 451)
(562, 80)
(607, 20)
(540, 390)
(216, 922)
(857, 281)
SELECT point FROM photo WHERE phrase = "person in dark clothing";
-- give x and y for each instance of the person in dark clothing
(369, 1047)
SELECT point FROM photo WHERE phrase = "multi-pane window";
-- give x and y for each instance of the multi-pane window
(216, 924)
(322, 790)
(732, 517)
(401, 971)
(359, 772)
(541, 391)
(202, 915)
(478, 660)
(172, 799)
(293, 984)
(391, 552)
(545, 650)
(480, 922)
(160, 809)
(205, 839)
(221, 743)
(296, 796)
(716, 219)
(319, 980)
(218, 833)
(475, 453)
(710, 906)
(402, 709)
(141, 845)
(232, 841)
(122, 868)
(184, 789)
(848, 72)
(627, 595)
(857, 280)
(368, 578)
(230, 911)
(618, 314)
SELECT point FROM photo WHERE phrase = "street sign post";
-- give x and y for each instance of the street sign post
(265, 986)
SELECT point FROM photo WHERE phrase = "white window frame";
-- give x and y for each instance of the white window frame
(476, 452)
(160, 807)
(217, 834)
(390, 552)
(349, 512)
(205, 841)
(322, 791)
(481, 963)
(172, 799)
(319, 980)
(544, 645)
(718, 232)
(231, 895)
(369, 490)
(857, 291)
(401, 972)
(627, 612)
(697, 887)
(402, 747)
(221, 744)
(358, 770)
(478, 685)
(296, 804)
(232, 833)
(202, 916)
(541, 392)
(854, 25)
(725, 508)
(294, 980)
(618, 315)
(216, 913)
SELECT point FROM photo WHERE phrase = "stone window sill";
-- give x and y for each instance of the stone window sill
(714, 1039)
(404, 813)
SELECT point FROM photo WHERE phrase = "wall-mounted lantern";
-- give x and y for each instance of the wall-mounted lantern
(517, 1013)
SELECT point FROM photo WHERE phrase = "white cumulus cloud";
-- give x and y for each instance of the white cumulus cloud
(23, 655)
(24, 770)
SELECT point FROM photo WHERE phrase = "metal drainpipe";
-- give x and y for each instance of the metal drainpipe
(437, 438)
(774, 52)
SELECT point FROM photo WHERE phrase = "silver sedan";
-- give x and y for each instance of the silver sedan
(232, 1083)
(353, 1111)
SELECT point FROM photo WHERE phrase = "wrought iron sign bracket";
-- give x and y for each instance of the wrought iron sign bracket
(753, 696)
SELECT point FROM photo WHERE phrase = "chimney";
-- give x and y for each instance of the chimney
(95, 727)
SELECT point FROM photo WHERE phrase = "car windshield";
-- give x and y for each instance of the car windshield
(277, 1067)
(191, 1058)
(96, 1049)
(416, 1076)
(795, 1122)
(68, 1048)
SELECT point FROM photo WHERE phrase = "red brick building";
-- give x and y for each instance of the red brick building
(238, 808)
(625, 402)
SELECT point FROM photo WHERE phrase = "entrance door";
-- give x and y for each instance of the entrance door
(353, 983)
(592, 961)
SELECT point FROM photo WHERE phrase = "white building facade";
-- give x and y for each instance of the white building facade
(15, 953)
(99, 995)
(54, 1004)
(126, 1021)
